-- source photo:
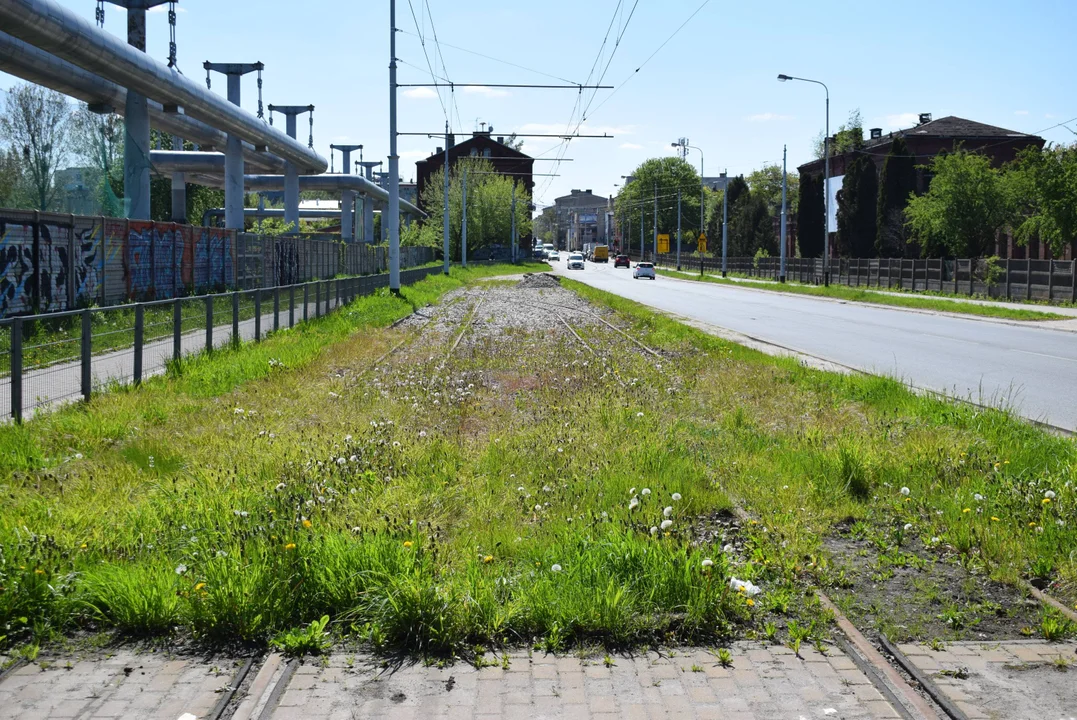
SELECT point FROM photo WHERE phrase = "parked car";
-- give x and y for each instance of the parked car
(575, 261)
(644, 270)
(622, 261)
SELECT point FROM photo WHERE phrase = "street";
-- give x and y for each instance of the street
(1032, 369)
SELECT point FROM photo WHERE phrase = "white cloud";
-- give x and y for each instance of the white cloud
(1020, 112)
(485, 91)
(630, 146)
(420, 93)
(898, 120)
(767, 117)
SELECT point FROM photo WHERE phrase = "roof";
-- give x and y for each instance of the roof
(951, 127)
(581, 198)
(481, 139)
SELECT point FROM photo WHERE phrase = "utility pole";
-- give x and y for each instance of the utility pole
(781, 270)
(394, 163)
(514, 221)
(655, 223)
(678, 229)
(445, 213)
(463, 222)
(642, 242)
(725, 222)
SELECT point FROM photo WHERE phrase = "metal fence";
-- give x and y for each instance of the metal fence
(1051, 280)
(65, 356)
(52, 263)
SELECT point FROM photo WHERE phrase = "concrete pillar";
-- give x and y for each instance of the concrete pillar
(291, 184)
(179, 188)
(368, 220)
(233, 166)
(347, 200)
(136, 140)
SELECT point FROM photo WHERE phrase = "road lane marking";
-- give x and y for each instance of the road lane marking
(1053, 357)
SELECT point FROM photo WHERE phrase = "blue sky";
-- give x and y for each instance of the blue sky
(997, 62)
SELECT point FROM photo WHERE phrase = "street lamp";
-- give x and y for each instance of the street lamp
(683, 142)
(826, 177)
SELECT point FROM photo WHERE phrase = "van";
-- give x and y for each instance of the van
(600, 254)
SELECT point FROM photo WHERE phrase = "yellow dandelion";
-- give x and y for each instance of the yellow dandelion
(290, 546)
(1046, 501)
(998, 465)
(39, 571)
(199, 586)
(307, 523)
(994, 518)
(1032, 524)
(407, 543)
(750, 602)
(82, 546)
(967, 510)
(488, 559)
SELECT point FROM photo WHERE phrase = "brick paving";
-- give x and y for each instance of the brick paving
(1003, 680)
(764, 683)
(123, 685)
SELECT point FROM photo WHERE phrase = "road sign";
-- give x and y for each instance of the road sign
(701, 244)
(663, 243)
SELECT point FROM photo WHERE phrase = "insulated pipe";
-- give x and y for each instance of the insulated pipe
(62, 32)
(39, 67)
(306, 214)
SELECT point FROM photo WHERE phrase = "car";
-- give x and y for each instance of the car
(644, 270)
(552, 255)
(622, 261)
(575, 261)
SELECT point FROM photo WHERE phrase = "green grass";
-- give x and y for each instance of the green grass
(433, 504)
(853, 294)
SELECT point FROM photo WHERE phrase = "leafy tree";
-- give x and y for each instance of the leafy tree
(489, 202)
(849, 136)
(751, 226)
(1045, 181)
(897, 182)
(36, 120)
(810, 217)
(10, 177)
(965, 206)
(857, 208)
(661, 177)
(767, 183)
(736, 188)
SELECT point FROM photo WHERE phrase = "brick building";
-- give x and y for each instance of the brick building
(484, 144)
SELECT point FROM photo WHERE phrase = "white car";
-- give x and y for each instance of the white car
(552, 255)
(643, 270)
(575, 261)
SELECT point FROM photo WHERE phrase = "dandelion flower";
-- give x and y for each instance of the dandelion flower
(654, 530)
(422, 433)
(935, 539)
(668, 510)
(676, 497)
(1047, 501)
(908, 526)
(407, 543)
(994, 518)
(180, 569)
(488, 559)
(667, 524)
(82, 546)
(633, 504)
(749, 602)
(978, 497)
(967, 510)
(555, 567)
(728, 548)
(538, 508)
(39, 571)
(341, 460)
(632, 491)
(289, 546)
(307, 523)
(520, 489)
(905, 491)
(1049, 495)
(199, 586)
(645, 492)
(707, 562)
(639, 414)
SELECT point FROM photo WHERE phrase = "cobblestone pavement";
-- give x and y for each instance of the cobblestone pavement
(1003, 681)
(124, 685)
(764, 683)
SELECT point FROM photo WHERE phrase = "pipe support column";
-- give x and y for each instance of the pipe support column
(136, 140)
(233, 167)
(291, 184)
(179, 188)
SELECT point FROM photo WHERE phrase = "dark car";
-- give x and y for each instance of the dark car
(622, 261)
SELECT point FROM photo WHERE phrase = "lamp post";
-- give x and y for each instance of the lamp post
(702, 189)
(826, 177)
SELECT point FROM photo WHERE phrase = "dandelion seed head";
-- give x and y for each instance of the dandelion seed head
(180, 569)
(668, 510)
(1049, 495)
(908, 526)
(905, 491)
(645, 492)
(707, 562)
(667, 524)
(555, 567)
(654, 530)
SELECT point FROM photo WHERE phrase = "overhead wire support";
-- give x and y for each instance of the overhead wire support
(508, 85)
(526, 135)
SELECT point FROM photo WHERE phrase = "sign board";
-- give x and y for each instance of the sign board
(701, 244)
(663, 243)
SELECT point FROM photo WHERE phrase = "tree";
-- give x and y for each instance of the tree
(489, 201)
(857, 208)
(751, 227)
(767, 183)
(897, 182)
(35, 120)
(965, 206)
(1045, 182)
(849, 136)
(810, 217)
(10, 177)
(661, 177)
(736, 188)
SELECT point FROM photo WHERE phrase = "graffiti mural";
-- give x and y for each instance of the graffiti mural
(55, 287)
(213, 258)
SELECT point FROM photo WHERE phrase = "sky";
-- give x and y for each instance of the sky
(713, 81)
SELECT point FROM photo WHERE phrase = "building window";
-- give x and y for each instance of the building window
(486, 153)
(474, 152)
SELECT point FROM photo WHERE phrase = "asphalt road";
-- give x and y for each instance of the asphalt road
(1030, 368)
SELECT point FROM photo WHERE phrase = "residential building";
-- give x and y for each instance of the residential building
(581, 217)
(505, 159)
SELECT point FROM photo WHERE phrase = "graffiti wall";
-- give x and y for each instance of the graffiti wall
(50, 270)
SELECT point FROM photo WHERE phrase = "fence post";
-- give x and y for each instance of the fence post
(87, 352)
(177, 329)
(16, 369)
(276, 309)
(1050, 279)
(1073, 280)
(291, 306)
(972, 267)
(139, 332)
(209, 323)
(70, 269)
(306, 300)
(257, 314)
(235, 317)
(1028, 279)
(1008, 279)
